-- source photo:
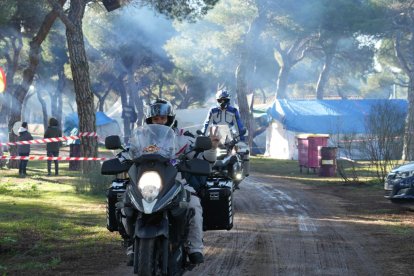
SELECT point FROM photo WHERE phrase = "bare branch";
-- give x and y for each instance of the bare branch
(400, 55)
(61, 13)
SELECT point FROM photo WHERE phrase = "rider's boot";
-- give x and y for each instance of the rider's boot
(196, 258)
(130, 255)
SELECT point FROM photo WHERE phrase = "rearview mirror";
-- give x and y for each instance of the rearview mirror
(113, 142)
(195, 167)
(114, 166)
(202, 143)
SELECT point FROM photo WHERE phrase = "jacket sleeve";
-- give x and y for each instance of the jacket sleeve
(207, 121)
(238, 123)
(210, 155)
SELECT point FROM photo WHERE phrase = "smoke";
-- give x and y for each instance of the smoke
(214, 47)
(143, 27)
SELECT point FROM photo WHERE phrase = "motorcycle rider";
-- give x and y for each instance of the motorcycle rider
(161, 112)
(225, 113)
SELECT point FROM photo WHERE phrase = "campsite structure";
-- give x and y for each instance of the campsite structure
(335, 118)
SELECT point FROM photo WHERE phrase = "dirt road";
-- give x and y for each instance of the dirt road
(286, 228)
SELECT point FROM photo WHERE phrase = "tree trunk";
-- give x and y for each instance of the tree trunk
(5, 101)
(132, 99)
(44, 108)
(26, 116)
(124, 101)
(263, 96)
(408, 148)
(57, 99)
(282, 82)
(139, 106)
(81, 80)
(101, 103)
(160, 86)
(12, 66)
(324, 75)
(241, 90)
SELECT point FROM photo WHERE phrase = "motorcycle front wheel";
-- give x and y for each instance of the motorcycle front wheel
(148, 255)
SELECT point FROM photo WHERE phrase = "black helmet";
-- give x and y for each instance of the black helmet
(160, 107)
(223, 98)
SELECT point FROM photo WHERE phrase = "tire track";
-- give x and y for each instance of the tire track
(281, 228)
(278, 231)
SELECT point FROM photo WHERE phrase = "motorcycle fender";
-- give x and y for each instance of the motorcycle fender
(150, 231)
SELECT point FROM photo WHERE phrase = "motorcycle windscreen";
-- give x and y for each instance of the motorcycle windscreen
(153, 139)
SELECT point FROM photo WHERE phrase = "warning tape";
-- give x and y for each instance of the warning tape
(51, 140)
(55, 158)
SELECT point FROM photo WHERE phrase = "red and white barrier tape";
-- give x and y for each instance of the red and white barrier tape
(54, 158)
(51, 140)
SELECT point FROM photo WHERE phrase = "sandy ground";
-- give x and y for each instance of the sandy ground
(286, 228)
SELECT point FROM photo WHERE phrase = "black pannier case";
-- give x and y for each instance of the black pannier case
(217, 203)
(113, 195)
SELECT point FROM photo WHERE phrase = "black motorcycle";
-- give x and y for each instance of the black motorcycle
(232, 162)
(153, 213)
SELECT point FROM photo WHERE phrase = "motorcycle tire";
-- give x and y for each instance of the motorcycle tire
(148, 256)
(136, 255)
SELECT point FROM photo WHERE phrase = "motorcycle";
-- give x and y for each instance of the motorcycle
(232, 162)
(153, 212)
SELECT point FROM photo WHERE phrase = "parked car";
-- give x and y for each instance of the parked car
(399, 184)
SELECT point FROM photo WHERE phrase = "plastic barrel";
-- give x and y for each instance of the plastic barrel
(328, 161)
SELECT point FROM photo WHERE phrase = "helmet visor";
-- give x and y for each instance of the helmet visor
(160, 109)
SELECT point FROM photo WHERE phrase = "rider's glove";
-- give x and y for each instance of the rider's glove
(123, 156)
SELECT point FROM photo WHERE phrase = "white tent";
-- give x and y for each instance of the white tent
(280, 142)
(191, 119)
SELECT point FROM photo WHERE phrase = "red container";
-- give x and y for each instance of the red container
(309, 150)
(302, 150)
(328, 161)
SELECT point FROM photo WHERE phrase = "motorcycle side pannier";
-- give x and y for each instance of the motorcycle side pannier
(217, 203)
(114, 194)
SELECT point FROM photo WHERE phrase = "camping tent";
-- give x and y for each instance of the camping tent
(333, 117)
(191, 119)
(105, 125)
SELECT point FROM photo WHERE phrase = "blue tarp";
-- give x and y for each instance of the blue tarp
(72, 120)
(327, 116)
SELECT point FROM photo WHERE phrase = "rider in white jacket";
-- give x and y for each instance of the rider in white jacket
(224, 113)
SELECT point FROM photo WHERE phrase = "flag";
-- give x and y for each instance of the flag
(2, 80)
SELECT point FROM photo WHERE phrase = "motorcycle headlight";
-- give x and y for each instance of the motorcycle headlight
(150, 185)
(221, 152)
(239, 176)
